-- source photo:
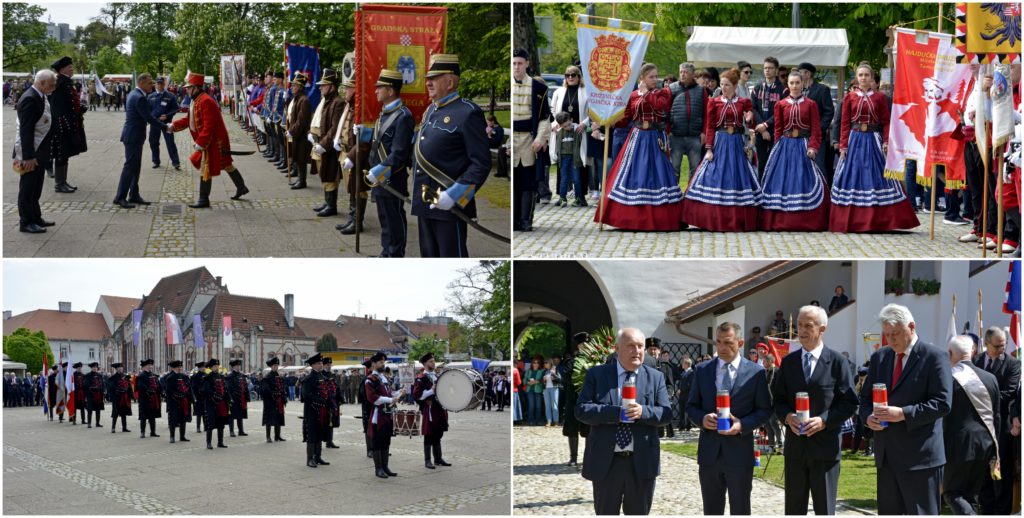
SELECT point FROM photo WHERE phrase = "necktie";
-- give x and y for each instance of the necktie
(899, 368)
(624, 433)
(727, 377)
(807, 367)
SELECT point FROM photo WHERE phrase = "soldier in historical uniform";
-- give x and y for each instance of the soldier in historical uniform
(316, 419)
(333, 400)
(274, 392)
(79, 379)
(322, 129)
(213, 149)
(147, 389)
(51, 389)
(276, 118)
(238, 388)
(353, 152)
(180, 400)
(68, 137)
(434, 418)
(119, 390)
(217, 403)
(365, 405)
(196, 381)
(299, 115)
(452, 162)
(381, 424)
(264, 107)
(390, 159)
(530, 134)
(92, 387)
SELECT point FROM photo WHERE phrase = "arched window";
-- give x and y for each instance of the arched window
(236, 354)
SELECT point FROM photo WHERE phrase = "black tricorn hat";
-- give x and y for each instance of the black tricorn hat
(61, 63)
(426, 357)
(274, 361)
(328, 359)
(233, 363)
(94, 365)
(76, 365)
(200, 365)
(212, 362)
(146, 362)
(316, 358)
(174, 364)
(117, 365)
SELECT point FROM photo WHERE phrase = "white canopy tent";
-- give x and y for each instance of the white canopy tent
(724, 46)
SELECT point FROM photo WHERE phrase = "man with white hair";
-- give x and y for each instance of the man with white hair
(623, 452)
(996, 496)
(909, 451)
(813, 446)
(970, 430)
(32, 150)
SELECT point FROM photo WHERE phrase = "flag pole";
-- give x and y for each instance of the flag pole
(935, 184)
(985, 163)
(1000, 214)
(604, 177)
(979, 313)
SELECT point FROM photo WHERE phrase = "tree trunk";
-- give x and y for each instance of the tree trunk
(524, 30)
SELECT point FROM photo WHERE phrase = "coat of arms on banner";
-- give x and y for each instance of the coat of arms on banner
(410, 61)
(609, 63)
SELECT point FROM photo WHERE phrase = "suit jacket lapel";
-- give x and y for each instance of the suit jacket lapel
(741, 373)
(823, 364)
(616, 393)
(886, 366)
(642, 381)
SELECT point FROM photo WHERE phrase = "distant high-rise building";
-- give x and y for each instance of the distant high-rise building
(61, 32)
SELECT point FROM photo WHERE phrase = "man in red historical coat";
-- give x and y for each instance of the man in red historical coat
(381, 423)
(435, 417)
(212, 147)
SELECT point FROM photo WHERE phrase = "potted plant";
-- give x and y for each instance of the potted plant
(894, 286)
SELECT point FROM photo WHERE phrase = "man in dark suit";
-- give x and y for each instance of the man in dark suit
(970, 428)
(726, 458)
(683, 392)
(996, 496)
(909, 450)
(822, 96)
(137, 113)
(813, 450)
(623, 459)
(32, 150)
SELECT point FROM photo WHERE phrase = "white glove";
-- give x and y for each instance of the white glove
(444, 202)
(356, 129)
(319, 149)
(337, 145)
(311, 138)
(196, 147)
(347, 164)
(288, 134)
(371, 179)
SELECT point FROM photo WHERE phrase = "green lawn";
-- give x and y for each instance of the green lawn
(504, 118)
(497, 191)
(856, 480)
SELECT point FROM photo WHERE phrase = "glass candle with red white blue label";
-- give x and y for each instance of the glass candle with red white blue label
(880, 397)
(724, 415)
(803, 409)
(628, 397)
(757, 458)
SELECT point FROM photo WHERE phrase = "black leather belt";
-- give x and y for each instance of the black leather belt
(798, 133)
(865, 127)
(623, 454)
(729, 129)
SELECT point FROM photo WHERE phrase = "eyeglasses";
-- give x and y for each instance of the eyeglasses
(573, 74)
(745, 72)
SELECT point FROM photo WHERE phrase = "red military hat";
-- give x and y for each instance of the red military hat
(194, 79)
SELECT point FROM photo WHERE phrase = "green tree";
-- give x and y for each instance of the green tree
(546, 339)
(109, 61)
(427, 344)
(25, 39)
(150, 27)
(326, 343)
(480, 298)
(479, 34)
(28, 347)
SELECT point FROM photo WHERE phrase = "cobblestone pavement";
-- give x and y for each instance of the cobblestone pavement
(271, 221)
(571, 232)
(96, 472)
(544, 485)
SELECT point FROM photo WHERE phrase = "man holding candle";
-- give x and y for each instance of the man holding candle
(622, 456)
(725, 450)
(813, 393)
(909, 451)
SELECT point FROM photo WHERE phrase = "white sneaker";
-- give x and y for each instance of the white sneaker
(988, 243)
(953, 222)
(968, 238)
(1007, 248)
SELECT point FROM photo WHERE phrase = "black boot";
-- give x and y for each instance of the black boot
(204, 195)
(124, 424)
(277, 434)
(172, 435)
(209, 439)
(268, 435)
(330, 436)
(241, 430)
(437, 456)
(385, 458)
(319, 454)
(142, 432)
(181, 431)
(323, 205)
(231, 426)
(377, 464)
(332, 205)
(220, 438)
(311, 455)
(240, 188)
(152, 427)
(358, 219)
(527, 202)
(369, 446)
(426, 455)
(301, 182)
(574, 449)
(351, 214)
(60, 179)
(98, 423)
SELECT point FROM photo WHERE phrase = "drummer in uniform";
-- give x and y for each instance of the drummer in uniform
(333, 401)
(434, 419)
(381, 425)
(452, 159)
(197, 388)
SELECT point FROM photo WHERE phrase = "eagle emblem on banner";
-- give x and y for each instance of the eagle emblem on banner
(1009, 29)
(609, 63)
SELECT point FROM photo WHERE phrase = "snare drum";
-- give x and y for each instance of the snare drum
(460, 389)
(407, 422)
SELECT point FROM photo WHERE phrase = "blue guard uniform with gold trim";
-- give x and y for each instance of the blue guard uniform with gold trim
(390, 160)
(452, 155)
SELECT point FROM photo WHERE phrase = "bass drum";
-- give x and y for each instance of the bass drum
(460, 389)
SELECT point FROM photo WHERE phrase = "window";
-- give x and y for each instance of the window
(92, 353)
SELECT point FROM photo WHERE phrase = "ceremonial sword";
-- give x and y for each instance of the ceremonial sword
(429, 196)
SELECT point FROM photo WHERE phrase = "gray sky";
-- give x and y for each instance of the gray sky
(324, 288)
(74, 14)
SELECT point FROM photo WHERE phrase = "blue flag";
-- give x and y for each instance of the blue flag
(480, 364)
(136, 327)
(197, 332)
(305, 59)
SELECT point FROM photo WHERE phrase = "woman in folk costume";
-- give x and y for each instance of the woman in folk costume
(642, 192)
(794, 195)
(724, 192)
(863, 200)
(212, 148)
